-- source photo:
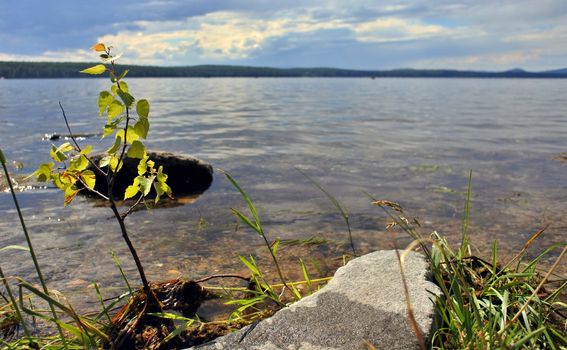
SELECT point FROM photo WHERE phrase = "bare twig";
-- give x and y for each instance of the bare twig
(131, 209)
(77, 144)
(204, 279)
(91, 189)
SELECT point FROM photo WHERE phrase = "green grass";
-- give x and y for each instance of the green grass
(490, 304)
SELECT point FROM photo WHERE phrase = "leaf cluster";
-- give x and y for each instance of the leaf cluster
(73, 171)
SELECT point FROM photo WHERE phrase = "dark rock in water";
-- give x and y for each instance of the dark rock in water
(187, 176)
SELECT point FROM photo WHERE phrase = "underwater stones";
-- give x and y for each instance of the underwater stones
(187, 176)
(364, 303)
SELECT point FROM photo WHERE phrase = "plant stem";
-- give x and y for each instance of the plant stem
(337, 205)
(131, 248)
(14, 304)
(274, 258)
(32, 252)
(120, 218)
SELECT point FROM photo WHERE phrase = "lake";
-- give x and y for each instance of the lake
(412, 141)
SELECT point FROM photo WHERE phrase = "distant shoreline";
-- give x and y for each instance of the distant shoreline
(42, 70)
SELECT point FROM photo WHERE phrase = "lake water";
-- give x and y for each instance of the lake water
(413, 141)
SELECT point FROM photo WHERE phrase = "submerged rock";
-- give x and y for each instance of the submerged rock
(363, 304)
(187, 176)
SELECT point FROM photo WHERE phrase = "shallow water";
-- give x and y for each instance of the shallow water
(408, 140)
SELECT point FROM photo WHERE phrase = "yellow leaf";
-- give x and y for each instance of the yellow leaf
(70, 193)
(99, 47)
(98, 69)
(88, 178)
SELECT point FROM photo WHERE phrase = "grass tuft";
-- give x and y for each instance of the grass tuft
(490, 305)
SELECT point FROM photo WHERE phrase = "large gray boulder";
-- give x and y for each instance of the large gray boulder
(364, 303)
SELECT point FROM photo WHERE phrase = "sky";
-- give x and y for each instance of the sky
(488, 35)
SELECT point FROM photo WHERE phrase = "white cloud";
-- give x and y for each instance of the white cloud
(51, 56)
(225, 36)
(395, 29)
(462, 34)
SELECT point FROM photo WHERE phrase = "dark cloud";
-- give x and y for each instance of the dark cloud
(35, 26)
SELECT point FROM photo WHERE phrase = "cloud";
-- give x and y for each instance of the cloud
(458, 34)
(230, 36)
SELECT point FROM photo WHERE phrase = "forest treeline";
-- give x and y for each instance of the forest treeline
(21, 70)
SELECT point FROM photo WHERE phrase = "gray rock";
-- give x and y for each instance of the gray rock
(364, 302)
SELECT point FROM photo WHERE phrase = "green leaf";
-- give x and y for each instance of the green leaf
(145, 184)
(124, 86)
(250, 265)
(141, 127)
(58, 154)
(248, 201)
(143, 166)
(275, 246)
(161, 177)
(2, 158)
(95, 70)
(43, 173)
(67, 178)
(115, 109)
(161, 188)
(78, 163)
(87, 150)
(133, 189)
(89, 178)
(57, 182)
(117, 143)
(143, 108)
(246, 220)
(131, 135)
(105, 98)
(109, 128)
(126, 98)
(70, 193)
(114, 165)
(122, 75)
(65, 147)
(136, 150)
(104, 161)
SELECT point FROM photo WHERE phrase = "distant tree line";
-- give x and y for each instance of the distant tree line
(17, 70)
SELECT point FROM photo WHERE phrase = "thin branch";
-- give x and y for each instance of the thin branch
(69, 128)
(77, 144)
(131, 209)
(91, 189)
(204, 279)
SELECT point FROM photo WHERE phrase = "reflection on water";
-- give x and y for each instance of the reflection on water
(409, 140)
